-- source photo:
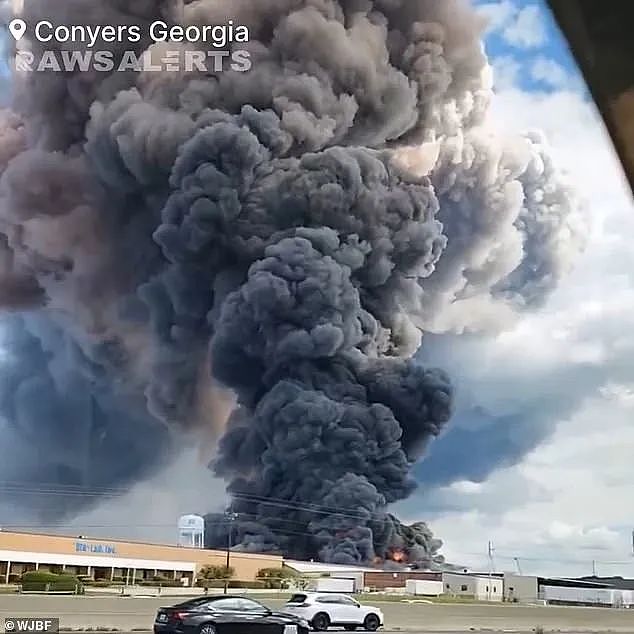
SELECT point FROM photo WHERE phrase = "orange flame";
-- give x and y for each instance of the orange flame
(398, 555)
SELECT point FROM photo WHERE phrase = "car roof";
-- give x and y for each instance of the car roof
(313, 594)
(208, 598)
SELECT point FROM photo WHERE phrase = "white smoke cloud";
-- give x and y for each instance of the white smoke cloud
(566, 373)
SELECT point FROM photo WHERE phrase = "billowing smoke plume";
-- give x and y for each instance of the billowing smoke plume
(271, 244)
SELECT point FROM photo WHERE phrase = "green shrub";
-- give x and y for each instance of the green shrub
(276, 573)
(39, 576)
(34, 586)
(232, 583)
(210, 583)
(36, 581)
(251, 585)
(216, 572)
(276, 578)
(57, 586)
(170, 583)
(274, 584)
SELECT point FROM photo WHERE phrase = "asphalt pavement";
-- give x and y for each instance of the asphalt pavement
(136, 614)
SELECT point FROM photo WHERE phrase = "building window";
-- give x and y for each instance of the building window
(495, 589)
(463, 588)
(487, 588)
(448, 587)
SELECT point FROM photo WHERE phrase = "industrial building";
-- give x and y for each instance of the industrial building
(364, 578)
(315, 570)
(520, 588)
(115, 559)
(473, 585)
(134, 562)
(555, 591)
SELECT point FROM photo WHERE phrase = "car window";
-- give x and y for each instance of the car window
(298, 598)
(247, 605)
(329, 599)
(193, 603)
(229, 604)
(347, 601)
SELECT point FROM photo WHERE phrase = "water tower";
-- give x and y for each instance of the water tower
(191, 531)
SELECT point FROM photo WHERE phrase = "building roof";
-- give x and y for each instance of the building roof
(316, 567)
(571, 583)
(479, 575)
(620, 583)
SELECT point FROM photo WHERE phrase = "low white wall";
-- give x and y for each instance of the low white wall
(148, 591)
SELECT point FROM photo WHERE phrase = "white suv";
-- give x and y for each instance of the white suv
(325, 609)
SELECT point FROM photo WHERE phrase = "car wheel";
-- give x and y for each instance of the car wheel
(371, 623)
(207, 628)
(320, 622)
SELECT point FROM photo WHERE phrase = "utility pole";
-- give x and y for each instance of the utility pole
(517, 563)
(491, 565)
(231, 517)
(594, 568)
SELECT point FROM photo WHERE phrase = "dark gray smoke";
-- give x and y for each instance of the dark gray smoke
(270, 243)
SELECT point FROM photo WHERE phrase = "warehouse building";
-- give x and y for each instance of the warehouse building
(473, 586)
(558, 591)
(316, 570)
(114, 559)
(365, 578)
(620, 583)
(520, 588)
(384, 579)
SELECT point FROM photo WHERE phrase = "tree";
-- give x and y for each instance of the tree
(276, 578)
(210, 573)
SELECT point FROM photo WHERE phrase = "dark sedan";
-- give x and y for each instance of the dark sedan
(225, 614)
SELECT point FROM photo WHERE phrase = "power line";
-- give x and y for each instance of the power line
(307, 507)
(560, 560)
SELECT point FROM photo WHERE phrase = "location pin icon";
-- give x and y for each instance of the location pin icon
(17, 28)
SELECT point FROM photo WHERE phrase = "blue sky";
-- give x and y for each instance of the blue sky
(524, 39)
(538, 456)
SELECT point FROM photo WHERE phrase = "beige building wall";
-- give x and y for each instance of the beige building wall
(475, 586)
(246, 565)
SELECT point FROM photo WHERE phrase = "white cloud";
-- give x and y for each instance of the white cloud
(572, 509)
(498, 14)
(527, 28)
(567, 502)
(521, 27)
(506, 71)
(554, 75)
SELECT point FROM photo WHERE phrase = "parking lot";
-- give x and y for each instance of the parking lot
(137, 614)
